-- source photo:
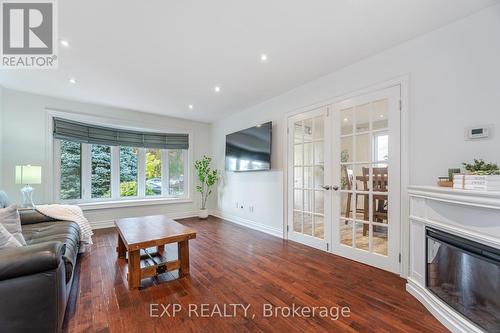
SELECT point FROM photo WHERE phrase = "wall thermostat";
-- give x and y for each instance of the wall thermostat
(478, 132)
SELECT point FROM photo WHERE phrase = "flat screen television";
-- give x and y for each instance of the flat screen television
(249, 149)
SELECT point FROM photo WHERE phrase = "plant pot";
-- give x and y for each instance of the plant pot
(203, 213)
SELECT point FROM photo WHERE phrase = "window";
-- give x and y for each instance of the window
(88, 172)
(380, 147)
(153, 172)
(101, 171)
(97, 163)
(128, 171)
(71, 166)
(175, 172)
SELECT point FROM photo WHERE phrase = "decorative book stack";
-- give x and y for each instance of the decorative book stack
(458, 182)
(477, 182)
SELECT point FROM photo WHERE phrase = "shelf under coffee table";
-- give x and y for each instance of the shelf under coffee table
(142, 233)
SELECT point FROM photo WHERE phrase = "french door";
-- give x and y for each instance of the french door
(309, 202)
(344, 178)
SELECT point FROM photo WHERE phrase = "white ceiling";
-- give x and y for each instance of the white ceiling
(162, 55)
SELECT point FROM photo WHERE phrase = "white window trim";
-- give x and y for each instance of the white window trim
(86, 176)
(96, 205)
(52, 188)
(115, 170)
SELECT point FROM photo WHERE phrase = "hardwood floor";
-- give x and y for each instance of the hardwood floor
(231, 264)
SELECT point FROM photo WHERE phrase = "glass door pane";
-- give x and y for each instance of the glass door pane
(364, 179)
(307, 172)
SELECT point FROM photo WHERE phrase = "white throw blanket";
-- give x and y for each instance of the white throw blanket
(70, 213)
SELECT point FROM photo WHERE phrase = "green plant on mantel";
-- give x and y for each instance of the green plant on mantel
(480, 167)
(207, 178)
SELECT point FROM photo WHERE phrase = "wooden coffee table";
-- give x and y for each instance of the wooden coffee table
(142, 233)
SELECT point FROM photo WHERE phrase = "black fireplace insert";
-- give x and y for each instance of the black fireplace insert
(465, 275)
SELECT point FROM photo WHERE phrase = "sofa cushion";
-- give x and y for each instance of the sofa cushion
(7, 240)
(9, 218)
(63, 231)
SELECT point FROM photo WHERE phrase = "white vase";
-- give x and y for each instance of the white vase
(203, 213)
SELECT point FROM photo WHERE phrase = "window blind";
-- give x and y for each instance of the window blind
(74, 131)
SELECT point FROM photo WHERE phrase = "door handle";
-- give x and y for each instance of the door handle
(328, 187)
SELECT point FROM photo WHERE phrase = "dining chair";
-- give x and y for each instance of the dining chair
(380, 183)
(348, 176)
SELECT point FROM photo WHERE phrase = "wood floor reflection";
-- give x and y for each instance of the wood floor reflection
(361, 239)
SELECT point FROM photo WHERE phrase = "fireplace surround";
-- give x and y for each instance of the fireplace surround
(466, 276)
(454, 256)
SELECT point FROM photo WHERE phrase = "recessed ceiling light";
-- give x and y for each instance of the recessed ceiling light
(217, 89)
(346, 119)
(381, 116)
(263, 57)
(64, 43)
(190, 106)
(72, 81)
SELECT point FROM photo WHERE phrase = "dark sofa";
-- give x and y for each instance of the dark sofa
(35, 280)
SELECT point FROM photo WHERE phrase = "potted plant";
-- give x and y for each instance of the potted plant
(479, 176)
(207, 178)
(481, 168)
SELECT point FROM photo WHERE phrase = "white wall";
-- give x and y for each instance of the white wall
(454, 83)
(25, 142)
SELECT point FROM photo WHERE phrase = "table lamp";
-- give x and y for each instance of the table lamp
(28, 175)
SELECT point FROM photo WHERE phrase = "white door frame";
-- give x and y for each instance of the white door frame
(404, 83)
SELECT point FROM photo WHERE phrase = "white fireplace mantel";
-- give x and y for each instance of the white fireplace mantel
(468, 214)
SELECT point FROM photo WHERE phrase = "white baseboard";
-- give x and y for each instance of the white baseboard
(248, 223)
(102, 224)
(111, 223)
(228, 217)
(182, 215)
(450, 318)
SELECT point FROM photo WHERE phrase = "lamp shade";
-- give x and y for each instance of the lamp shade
(28, 174)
